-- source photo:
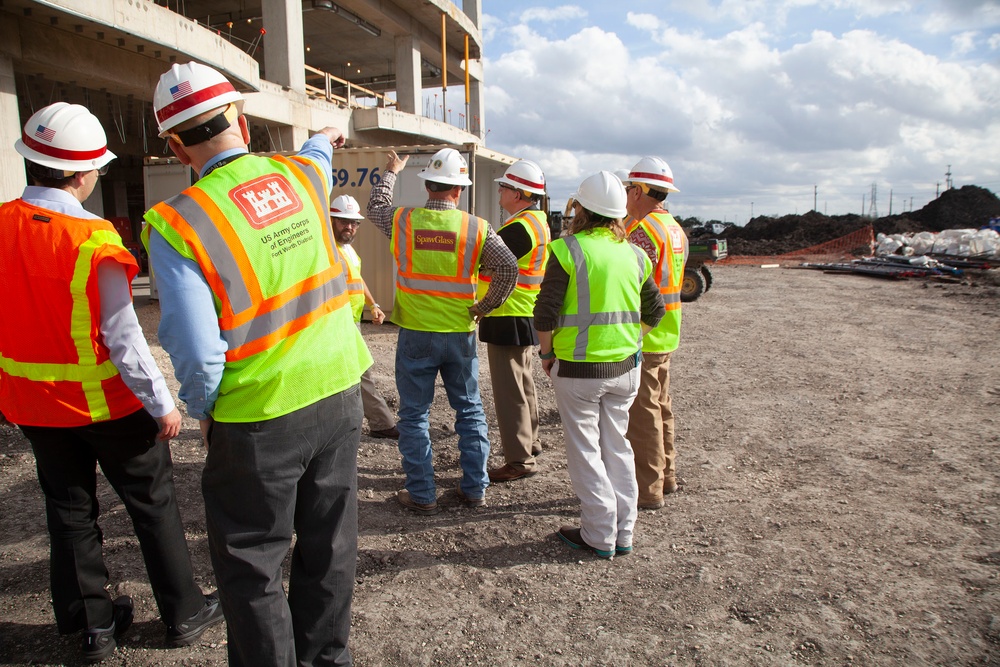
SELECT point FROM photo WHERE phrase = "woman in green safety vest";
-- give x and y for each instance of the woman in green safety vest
(597, 300)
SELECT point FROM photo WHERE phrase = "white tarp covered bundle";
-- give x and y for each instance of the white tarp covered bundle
(979, 243)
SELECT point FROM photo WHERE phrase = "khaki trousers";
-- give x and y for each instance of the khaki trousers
(377, 411)
(651, 428)
(515, 402)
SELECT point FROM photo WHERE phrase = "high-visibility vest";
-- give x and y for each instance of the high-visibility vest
(599, 319)
(259, 229)
(530, 267)
(437, 260)
(666, 244)
(55, 369)
(355, 284)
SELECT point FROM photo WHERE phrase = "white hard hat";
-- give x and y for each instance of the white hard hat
(524, 175)
(346, 206)
(185, 91)
(603, 194)
(64, 136)
(447, 166)
(654, 172)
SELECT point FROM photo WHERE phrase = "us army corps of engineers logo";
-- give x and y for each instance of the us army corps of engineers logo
(266, 200)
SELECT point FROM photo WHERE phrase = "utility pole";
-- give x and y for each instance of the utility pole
(751, 211)
(937, 189)
(911, 204)
(814, 197)
(948, 183)
(890, 201)
(873, 205)
(862, 206)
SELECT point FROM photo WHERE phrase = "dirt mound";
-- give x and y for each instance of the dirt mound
(967, 207)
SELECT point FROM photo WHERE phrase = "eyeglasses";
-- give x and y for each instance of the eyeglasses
(348, 223)
(504, 186)
(103, 171)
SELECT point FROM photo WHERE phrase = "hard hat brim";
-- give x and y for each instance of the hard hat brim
(32, 155)
(446, 180)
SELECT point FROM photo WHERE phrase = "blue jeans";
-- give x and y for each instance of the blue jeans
(420, 355)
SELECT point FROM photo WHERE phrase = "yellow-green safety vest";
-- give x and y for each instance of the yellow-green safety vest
(259, 229)
(530, 267)
(666, 245)
(437, 259)
(599, 319)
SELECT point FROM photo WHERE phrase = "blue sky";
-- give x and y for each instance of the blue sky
(753, 103)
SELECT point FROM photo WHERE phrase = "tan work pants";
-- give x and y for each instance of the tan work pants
(515, 402)
(651, 428)
(377, 411)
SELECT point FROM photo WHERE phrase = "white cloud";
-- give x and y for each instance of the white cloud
(740, 119)
(552, 14)
(964, 42)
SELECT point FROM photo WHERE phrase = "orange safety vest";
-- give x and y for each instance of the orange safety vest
(55, 369)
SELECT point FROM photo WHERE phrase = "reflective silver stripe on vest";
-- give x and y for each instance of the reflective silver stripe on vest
(471, 240)
(664, 241)
(674, 297)
(219, 252)
(403, 240)
(268, 323)
(319, 185)
(529, 280)
(539, 234)
(583, 318)
(459, 290)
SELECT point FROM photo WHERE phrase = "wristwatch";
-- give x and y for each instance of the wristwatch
(551, 354)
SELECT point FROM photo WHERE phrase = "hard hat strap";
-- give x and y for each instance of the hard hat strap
(210, 128)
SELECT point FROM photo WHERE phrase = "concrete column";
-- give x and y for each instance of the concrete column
(474, 10)
(12, 178)
(284, 49)
(477, 109)
(408, 86)
(289, 138)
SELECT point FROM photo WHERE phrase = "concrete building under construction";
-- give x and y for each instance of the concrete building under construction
(387, 72)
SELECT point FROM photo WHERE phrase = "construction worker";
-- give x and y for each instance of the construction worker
(346, 215)
(78, 379)
(508, 331)
(440, 251)
(257, 320)
(596, 302)
(651, 419)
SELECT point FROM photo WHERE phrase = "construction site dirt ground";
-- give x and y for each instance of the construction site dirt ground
(837, 440)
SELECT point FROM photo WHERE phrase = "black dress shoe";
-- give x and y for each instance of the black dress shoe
(188, 632)
(99, 643)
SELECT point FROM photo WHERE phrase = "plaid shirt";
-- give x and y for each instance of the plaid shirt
(495, 257)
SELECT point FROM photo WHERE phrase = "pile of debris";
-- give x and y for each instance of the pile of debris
(968, 207)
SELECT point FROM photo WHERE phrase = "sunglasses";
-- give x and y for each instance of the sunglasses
(103, 171)
(348, 223)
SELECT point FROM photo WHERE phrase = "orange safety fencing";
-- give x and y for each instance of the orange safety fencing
(860, 242)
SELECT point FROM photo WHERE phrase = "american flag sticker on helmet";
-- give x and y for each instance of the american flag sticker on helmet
(180, 90)
(45, 133)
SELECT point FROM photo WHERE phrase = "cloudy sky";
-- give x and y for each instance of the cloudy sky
(753, 103)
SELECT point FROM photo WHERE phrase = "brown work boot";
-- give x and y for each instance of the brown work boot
(508, 473)
(403, 496)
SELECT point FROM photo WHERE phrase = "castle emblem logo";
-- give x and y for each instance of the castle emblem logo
(266, 200)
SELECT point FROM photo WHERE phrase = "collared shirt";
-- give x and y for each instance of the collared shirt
(189, 325)
(119, 326)
(495, 257)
